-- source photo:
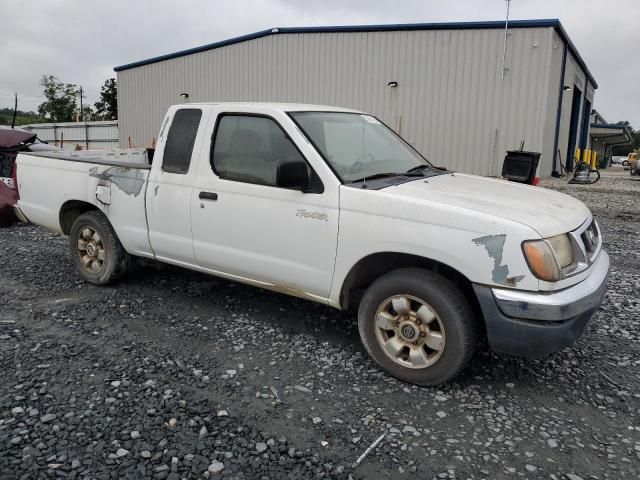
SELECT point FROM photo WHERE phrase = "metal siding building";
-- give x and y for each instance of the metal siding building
(452, 102)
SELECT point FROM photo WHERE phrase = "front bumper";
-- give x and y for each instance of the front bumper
(536, 324)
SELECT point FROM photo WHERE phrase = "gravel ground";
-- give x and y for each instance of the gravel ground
(173, 374)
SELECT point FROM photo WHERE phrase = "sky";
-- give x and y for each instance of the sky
(80, 41)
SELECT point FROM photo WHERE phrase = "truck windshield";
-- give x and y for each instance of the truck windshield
(358, 146)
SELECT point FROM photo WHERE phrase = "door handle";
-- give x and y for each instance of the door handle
(208, 196)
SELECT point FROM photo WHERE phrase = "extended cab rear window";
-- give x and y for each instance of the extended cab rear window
(180, 140)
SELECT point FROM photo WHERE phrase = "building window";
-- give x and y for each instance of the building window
(180, 140)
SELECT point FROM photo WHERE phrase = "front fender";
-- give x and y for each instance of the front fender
(485, 249)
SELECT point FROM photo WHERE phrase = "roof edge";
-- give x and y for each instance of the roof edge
(497, 24)
(626, 133)
(612, 126)
(189, 51)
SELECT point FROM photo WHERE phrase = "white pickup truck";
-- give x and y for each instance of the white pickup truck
(331, 205)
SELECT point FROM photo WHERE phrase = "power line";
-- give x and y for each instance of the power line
(31, 97)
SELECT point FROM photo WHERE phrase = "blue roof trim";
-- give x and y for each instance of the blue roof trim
(189, 51)
(552, 23)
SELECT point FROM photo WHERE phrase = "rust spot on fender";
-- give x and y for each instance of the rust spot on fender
(494, 245)
(513, 281)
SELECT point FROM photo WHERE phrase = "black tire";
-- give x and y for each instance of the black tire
(443, 298)
(115, 259)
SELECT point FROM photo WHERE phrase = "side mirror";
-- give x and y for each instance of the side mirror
(294, 175)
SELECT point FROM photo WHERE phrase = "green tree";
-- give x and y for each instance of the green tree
(88, 114)
(22, 118)
(60, 105)
(107, 106)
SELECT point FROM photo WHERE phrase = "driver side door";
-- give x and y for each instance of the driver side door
(245, 226)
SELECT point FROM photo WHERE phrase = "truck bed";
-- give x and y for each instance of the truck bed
(49, 183)
(116, 156)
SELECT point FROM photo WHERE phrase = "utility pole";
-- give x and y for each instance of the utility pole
(15, 111)
(81, 111)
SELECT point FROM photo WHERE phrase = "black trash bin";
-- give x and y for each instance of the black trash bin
(520, 166)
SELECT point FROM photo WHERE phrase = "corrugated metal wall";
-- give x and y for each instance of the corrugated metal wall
(89, 135)
(574, 77)
(451, 101)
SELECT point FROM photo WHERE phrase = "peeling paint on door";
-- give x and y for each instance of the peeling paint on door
(494, 245)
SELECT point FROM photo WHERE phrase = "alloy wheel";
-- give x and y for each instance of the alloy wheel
(410, 331)
(90, 249)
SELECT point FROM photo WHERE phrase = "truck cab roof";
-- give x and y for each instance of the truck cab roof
(283, 107)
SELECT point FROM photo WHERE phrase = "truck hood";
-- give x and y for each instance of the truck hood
(548, 212)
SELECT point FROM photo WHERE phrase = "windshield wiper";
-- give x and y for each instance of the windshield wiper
(409, 173)
(376, 175)
(417, 168)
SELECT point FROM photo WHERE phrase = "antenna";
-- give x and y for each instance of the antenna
(364, 163)
(506, 28)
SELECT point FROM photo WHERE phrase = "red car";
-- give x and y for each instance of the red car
(8, 198)
(11, 142)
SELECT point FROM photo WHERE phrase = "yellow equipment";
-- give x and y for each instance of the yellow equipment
(634, 163)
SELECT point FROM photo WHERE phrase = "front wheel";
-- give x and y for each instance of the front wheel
(96, 250)
(418, 326)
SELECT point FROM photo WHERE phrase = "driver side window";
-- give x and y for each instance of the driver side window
(249, 148)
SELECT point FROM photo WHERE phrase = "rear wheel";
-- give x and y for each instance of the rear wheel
(96, 251)
(418, 326)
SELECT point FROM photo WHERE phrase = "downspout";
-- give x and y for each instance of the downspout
(584, 136)
(554, 172)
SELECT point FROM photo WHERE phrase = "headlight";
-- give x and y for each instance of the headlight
(546, 258)
(562, 248)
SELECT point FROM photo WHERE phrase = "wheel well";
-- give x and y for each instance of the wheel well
(372, 267)
(70, 211)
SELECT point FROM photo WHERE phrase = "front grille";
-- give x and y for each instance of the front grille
(591, 238)
(586, 242)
